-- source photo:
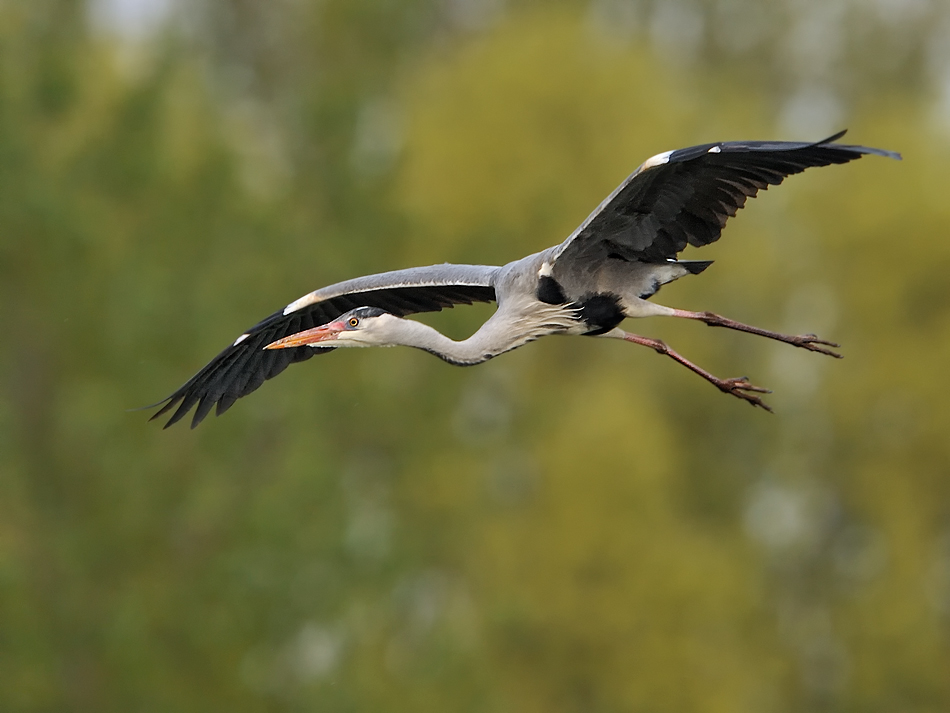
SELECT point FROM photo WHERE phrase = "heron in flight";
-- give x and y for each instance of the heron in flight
(605, 272)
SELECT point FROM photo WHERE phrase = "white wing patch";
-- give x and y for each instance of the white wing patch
(240, 339)
(657, 160)
(300, 303)
(714, 149)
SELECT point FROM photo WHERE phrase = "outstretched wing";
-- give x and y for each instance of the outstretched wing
(684, 197)
(245, 365)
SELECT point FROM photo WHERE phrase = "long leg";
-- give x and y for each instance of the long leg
(805, 341)
(739, 387)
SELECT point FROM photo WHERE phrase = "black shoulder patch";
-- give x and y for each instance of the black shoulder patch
(550, 291)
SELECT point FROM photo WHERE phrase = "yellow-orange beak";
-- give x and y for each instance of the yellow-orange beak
(323, 333)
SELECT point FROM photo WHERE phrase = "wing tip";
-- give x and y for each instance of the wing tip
(862, 150)
(833, 137)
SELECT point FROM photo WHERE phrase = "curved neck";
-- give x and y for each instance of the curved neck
(501, 333)
(480, 347)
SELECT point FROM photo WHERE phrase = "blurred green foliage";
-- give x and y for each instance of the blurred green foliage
(576, 526)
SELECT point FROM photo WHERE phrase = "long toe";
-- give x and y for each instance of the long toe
(741, 388)
(813, 344)
(743, 383)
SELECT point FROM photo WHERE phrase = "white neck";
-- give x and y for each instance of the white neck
(501, 333)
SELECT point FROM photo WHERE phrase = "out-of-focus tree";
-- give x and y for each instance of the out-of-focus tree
(574, 526)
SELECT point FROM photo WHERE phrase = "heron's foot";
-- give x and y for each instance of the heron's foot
(741, 388)
(812, 343)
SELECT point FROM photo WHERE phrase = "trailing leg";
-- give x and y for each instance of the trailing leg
(805, 341)
(738, 387)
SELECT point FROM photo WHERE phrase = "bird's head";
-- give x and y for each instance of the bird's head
(360, 327)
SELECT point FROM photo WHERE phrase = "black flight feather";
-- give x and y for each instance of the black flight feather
(685, 197)
(244, 366)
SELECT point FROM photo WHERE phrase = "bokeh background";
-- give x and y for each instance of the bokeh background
(580, 525)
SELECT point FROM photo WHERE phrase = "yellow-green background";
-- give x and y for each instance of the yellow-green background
(578, 526)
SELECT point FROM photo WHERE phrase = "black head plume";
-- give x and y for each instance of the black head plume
(365, 312)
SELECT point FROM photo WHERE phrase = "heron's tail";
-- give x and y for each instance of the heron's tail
(694, 267)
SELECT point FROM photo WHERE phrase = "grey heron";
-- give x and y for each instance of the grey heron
(606, 271)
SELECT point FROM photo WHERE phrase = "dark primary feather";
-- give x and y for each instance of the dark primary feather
(660, 209)
(243, 367)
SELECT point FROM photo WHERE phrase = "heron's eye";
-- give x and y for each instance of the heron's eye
(353, 322)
